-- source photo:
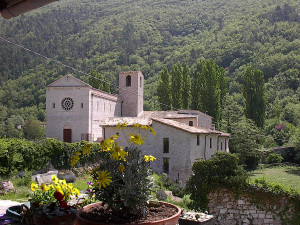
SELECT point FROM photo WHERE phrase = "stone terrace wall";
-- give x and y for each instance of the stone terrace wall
(229, 209)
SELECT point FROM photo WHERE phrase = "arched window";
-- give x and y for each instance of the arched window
(128, 81)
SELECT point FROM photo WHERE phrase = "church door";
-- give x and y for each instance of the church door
(68, 135)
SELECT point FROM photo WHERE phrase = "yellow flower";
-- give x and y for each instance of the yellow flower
(121, 125)
(136, 125)
(148, 158)
(76, 192)
(121, 168)
(118, 153)
(86, 150)
(34, 187)
(58, 189)
(44, 187)
(54, 179)
(153, 132)
(105, 145)
(63, 183)
(103, 179)
(51, 187)
(70, 185)
(114, 137)
(75, 158)
(136, 138)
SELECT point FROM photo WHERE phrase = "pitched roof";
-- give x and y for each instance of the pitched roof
(165, 114)
(114, 121)
(75, 82)
(187, 128)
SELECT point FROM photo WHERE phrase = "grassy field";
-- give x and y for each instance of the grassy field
(288, 176)
(23, 192)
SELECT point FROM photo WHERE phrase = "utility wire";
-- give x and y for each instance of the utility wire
(81, 72)
(89, 75)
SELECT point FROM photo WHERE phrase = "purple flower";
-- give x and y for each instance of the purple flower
(89, 183)
(281, 126)
(89, 190)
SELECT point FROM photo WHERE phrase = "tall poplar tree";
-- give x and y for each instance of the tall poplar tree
(164, 90)
(186, 87)
(254, 94)
(176, 86)
(208, 88)
(197, 85)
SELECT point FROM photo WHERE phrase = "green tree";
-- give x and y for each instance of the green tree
(231, 113)
(254, 94)
(186, 87)
(33, 129)
(197, 85)
(208, 88)
(176, 86)
(164, 90)
(97, 81)
(15, 125)
(246, 140)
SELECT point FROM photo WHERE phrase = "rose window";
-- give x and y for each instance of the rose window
(67, 103)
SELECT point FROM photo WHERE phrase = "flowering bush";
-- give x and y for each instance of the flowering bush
(51, 200)
(121, 179)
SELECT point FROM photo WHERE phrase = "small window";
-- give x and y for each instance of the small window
(53, 105)
(191, 123)
(82, 105)
(198, 139)
(221, 145)
(225, 144)
(140, 82)
(210, 142)
(166, 165)
(166, 145)
(128, 81)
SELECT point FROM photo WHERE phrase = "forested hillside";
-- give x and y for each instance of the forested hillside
(147, 35)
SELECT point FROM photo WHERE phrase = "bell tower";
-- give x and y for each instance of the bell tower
(131, 93)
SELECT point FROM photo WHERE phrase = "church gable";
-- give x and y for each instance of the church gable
(68, 81)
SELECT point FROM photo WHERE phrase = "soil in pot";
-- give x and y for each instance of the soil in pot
(99, 214)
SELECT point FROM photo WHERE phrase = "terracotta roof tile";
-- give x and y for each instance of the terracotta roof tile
(187, 128)
(114, 121)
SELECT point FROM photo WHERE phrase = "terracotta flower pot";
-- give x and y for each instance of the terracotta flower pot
(69, 219)
(167, 221)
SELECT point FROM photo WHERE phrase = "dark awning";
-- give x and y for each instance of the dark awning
(13, 8)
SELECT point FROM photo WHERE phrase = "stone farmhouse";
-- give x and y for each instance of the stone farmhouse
(76, 111)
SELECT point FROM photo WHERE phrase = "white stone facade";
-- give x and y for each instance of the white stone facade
(90, 107)
(185, 145)
(75, 111)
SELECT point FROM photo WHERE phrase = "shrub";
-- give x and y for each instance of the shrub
(274, 158)
(221, 171)
(169, 184)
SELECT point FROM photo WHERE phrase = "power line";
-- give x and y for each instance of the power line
(81, 72)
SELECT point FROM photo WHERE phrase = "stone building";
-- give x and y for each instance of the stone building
(75, 111)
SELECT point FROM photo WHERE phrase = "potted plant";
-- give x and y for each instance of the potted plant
(50, 204)
(121, 185)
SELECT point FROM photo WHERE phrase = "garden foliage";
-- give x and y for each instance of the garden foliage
(274, 158)
(222, 170)
(21, 154)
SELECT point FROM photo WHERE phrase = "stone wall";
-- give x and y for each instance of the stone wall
(230, 208)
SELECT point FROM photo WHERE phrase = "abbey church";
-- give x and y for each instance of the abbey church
(76, 111)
